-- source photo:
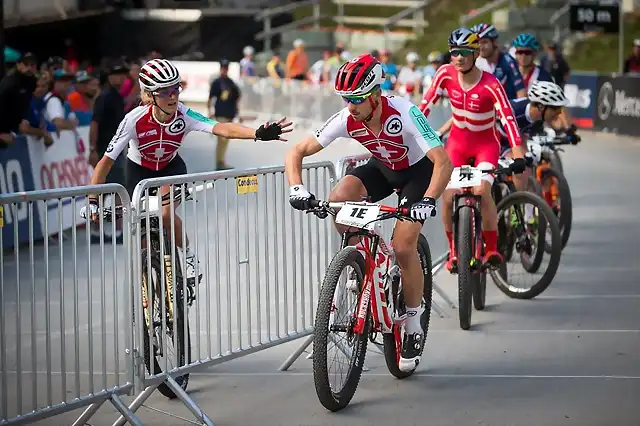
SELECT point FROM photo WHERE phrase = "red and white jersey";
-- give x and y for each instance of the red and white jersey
(474, 110)
(153, 144)
(404, 139)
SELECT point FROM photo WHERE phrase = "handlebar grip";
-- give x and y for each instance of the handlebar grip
(314, 204)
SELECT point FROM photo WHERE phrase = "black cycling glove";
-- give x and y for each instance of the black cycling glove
(300, 198)
(519, 165)
(271, 132)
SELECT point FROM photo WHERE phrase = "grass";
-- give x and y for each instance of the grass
(600, 52)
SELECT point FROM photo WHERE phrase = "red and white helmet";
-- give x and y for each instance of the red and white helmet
(359, 76)
(157, 74)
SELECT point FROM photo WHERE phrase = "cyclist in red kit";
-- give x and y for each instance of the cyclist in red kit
(475, 96)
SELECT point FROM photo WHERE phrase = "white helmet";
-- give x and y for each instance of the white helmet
(412, 57)
(248, 50)
(548, 94)
(158, 74)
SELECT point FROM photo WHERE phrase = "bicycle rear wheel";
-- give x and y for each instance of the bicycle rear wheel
(563, 209)
(337, 399)
(393, 341)
(175, 327)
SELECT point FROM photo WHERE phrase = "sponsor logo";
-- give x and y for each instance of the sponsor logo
(393, 125)
(455, 94)
(578, 98)
(151, 132)
(358, 133)
(616, 103)
(177, 126)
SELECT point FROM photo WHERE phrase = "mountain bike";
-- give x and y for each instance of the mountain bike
(378, 301)
(524, 232)
(554, 186)
(158, 270)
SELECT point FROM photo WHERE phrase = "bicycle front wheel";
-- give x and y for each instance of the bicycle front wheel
(466, 276)
(393, 341)
(558, 196)
(333, 316)
(529, 244)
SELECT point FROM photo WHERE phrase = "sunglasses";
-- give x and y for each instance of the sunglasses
(356, 100)
(524, 52)
(165, 93)
(461, 52)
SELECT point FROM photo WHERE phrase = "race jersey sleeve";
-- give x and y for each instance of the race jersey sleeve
(513, 73)
(335, 127)
(438, 85)
(420, 131)
(505, 112)
(196, 122)
(125, 133)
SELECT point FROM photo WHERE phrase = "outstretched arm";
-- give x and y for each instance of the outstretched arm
(239, 131)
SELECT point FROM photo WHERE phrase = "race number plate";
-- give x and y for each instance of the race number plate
(358, 215)
(465, 177)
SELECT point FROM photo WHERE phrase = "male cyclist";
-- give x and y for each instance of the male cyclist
(497, 62)
(526, 49)
(406, 155)
(154, 133)
(475, 97)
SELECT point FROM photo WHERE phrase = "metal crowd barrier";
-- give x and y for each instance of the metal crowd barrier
(261, 262)
(65, 317)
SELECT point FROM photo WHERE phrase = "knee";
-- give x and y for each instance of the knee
(349, 189)
(483, 190)
(404, 248)
(166, 216)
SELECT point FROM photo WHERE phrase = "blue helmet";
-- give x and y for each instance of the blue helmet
(485, 31)
(526, 41)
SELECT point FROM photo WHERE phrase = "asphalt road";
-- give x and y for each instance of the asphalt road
(570, 357)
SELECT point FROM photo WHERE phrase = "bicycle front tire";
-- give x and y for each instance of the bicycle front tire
(339, 399)
(466, 277)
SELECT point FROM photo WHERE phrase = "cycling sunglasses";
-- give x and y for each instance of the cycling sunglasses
(461, 52)
(356, 100)
(165, 93)
(524, 52)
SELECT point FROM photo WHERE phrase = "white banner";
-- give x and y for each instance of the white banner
(64, 164)
(199, 75)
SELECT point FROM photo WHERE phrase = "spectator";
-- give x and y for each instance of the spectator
(297, 61)
(274, 67)
(317, 71)
(332, 65)
(130, 89)
(86, 90)
(436, 60)
(390, 70)
(16, 90)
(410, 77)
(247, 66)
(553, 62)
(33, 124)
(343, 54)
(632, 64)
(226, 94)
(376, 54)
(108, 112)
(56, 107)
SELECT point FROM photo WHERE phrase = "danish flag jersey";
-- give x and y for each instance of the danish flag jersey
(404, 139)
(474, 110)
(151, 144)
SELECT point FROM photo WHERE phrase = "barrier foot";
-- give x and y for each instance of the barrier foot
(125, 411)
(137, 403)
(188, 402)
(296, 354)
(438, 310)
(88, 413)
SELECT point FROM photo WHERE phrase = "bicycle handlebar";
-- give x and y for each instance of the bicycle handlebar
(320, 206)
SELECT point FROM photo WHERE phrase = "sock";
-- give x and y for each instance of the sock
(528, 212)
(490, 240)
(450, 239)
(413, 320)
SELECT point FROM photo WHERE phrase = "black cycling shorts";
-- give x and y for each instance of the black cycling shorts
(134, 173)
(380, 181)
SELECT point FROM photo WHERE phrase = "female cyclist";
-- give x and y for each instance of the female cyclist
(154, 133)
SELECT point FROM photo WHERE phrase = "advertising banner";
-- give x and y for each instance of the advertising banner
(581, 92)
(618, 105)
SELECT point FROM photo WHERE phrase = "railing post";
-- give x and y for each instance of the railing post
(267, 31)
(316, 16)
